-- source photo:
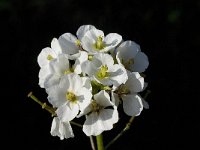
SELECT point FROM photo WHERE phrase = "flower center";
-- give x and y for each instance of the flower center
(102, 72)
(49, 57)
(99, 44)
(68, 71)
(90, 57)
(96, 107)
(78, 43)
(71, 97)
(123, 90)
(128, 63)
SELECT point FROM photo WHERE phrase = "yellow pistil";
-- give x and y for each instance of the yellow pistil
(102, 73)
(90, 57)
(78, 43)
(49, 57)
(68, 71)
(128, 63)
(123, 90)
(71, 97)
(95, 107)
(99, 44)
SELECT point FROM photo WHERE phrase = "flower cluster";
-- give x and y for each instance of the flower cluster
(90, 75)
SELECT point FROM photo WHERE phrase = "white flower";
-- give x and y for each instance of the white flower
(48, 54)
(52, 73)
(102, 69)
(83, 29)
(100, 117)
(61, 129)
(69, 43)
(43, 74)
(69, 96)
(132, 103)
(129, 54)
(93, 41)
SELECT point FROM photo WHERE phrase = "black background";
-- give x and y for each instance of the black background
(167, 31)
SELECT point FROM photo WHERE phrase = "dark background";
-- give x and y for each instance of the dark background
(167, 31)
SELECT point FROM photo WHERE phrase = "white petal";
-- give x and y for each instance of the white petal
(56, 46)
(43, 56)
(112, 40)
(115, 98)
(68, 43)
(103, 99)
(87, 83)
(82, 58)
(144, 103)
(132, 105)
(118, 75)
(58, 67)
(135, 82)
(89, 68)
(90, 38)
(128, 49)
(108, 117)
(105, 59)
(115, 116)
(91, 125)
(65, 130)
(75, 82)
(60, 64)
(56, 96)
(43, 75)
(96, 123)
(141, 62)
(83, 29)
(67, 112)
(61, 129)
(84, 98)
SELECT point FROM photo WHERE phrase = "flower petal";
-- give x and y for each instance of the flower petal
(118, 75)
(90, 38)
(68, 43)
(103, 99)
(43, 75)
(115, 98)
(56, 46)
(91, 125)
(61, 129)
(84, 98)
(135, 82)
(83, 29)
(141, 62)
(43, 58)
(105, 59)
(128, 50)
(68, 111)
(132, 105)
(112, 40)
(56, 95)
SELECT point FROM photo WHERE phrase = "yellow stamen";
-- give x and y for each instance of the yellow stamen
(49, 57)
(71, 97)
(102, 73)
(99, 45)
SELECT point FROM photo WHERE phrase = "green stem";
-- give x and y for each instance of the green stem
(127, 127)
(99, 139)
(44, 105)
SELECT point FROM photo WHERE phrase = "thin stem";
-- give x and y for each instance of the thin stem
(44, 105)
(127, 127)
(76, 124)
(99, 139)
(92, 143)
